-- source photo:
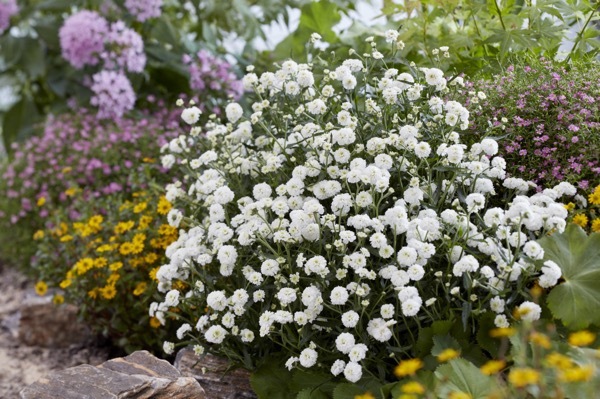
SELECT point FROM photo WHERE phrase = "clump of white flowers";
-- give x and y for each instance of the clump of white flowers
(341, 213)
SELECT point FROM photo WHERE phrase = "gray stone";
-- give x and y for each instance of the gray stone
(215, 375)
(45, 324)
(138, 376)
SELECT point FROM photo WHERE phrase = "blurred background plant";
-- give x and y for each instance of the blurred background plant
(37, 78)
(483, 34)
(76, 157)
(105, 262)
(546, 117)
(533, 361)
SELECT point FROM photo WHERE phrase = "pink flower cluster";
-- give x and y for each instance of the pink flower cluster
(8, 8)
(82, 38)
(99, 158)
(212, 77)
(86, 38)
(124, 49)
(113, 94)
(549, 118)
(144, 9)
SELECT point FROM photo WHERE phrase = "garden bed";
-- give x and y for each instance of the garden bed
(21, 365)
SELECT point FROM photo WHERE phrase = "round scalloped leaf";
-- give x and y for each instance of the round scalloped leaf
(576, 300)
(460, 375)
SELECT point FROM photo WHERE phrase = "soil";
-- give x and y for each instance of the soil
(21, 365)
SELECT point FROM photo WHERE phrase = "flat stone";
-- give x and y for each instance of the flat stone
(215, 375)
(44, 324)
(139, 376)
(142, 363)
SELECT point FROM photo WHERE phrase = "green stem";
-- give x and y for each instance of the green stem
(499, 15)
(580, 34)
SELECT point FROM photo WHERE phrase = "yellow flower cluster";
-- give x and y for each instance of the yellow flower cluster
(590, 218)
(130, 243)
(548, 365)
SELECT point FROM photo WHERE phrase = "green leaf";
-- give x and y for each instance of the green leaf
(270, 381)
(11, 48)
(443, 342)
(55, 5)
(425, 340)
(347, 391)
(312, 393)
(576, 300)
(302, 380)
(462, 376)
(18, 121)
(164, 32)
(32, 59)
(320, 17)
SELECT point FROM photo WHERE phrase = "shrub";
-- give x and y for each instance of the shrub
(105, 261)
(76, 153)
(542, 363)
(547, 118)
(587, 216)
(346, 195)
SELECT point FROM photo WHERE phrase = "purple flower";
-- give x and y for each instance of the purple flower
(113, 94)
(208, 72)
(8, 8)
(124, 49)
(82, 38)
(144, 9)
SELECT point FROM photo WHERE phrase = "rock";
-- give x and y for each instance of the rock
(213, 374)
(139, 375)
(44, 324)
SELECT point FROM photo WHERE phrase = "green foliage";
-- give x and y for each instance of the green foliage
(544, 114)
(482, 34)
(42, 81)
(461, 375)
(317, 17)
(576, 300)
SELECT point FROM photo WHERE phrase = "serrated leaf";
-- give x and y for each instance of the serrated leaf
(346, 391)
(425, 340)
(462, 376)
(270, 381)
(576, 300)
(320, 17)
(311, 393)
(32, 59)
(442, 342)
(55, 5)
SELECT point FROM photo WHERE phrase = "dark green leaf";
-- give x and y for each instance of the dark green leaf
(346, 391)
(576, 300)
(270, 381)
(32, 58)
(462, 376)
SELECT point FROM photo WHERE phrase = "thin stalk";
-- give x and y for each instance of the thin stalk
(500, 15)
(580, 34)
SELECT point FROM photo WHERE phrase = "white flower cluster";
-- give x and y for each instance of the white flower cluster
(353, 199)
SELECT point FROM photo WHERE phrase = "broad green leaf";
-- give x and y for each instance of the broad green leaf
(55, 5)
(443, 342)
(270, 381)
(576, 300)
(320, 17)
(11, 49)
(18, 121)
(164, 32)
(425, 340)
(302, 380)
(32, 59)
(346, 391)
(463, 376)
(312, 393)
